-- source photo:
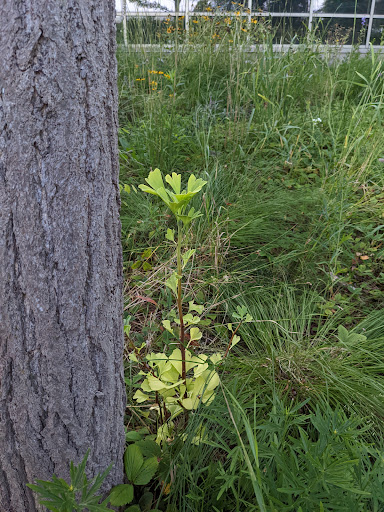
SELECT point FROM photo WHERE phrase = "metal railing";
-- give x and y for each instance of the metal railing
(311, 15)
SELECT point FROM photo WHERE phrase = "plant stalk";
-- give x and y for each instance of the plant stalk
(179, 301)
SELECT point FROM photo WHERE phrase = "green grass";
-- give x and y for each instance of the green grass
(292, 228)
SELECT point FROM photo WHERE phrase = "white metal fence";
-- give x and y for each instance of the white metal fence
(373, 19)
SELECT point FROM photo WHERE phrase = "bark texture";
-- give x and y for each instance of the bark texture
(61, 340)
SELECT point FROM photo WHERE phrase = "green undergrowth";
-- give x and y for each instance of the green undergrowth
(291, 148)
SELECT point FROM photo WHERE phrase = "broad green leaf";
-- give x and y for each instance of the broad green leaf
(133, 461)
(155, 384)
(133, 508)
(146, 254)
(342, 333)
(195, 185)
(170, 235)
(172, 282)
(189, 319)
(213, 381)
(216, 358)
(187, 256)
(145, 385)
(159, 360)
(155, 179)
(140, 397)
(187, 403)
(121, 495)
(133, 436)
(195, 307)
(165, 431)
(235, 340)
(195, 334)
(242, 310)
(133, 357)
(176, 360)
(149, 448)
(167, 325)
(150, 190)
(146, 472)
(170, 375)
(169, 394)
(146, 500)
(201, 366)
(174, 181)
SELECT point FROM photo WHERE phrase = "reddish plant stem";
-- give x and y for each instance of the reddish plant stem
(179, 303)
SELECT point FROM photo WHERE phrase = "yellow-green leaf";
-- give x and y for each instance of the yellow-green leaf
(174, 181)
(140, 397)
(170, 235)
(167, 325)
(172, 282)
(195, 334)
(195, 307)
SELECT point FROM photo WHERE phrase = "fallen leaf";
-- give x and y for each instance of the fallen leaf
(147, 299)
(364, 258)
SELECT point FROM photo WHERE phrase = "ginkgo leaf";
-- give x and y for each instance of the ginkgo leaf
(235, 340)
(216, 358)
(155, 179)
(172, 282)
(195, 334)
(195, 185)
(167, 325)
(174, 181)
(195, 307)
(170, 235)
(155, 384)
(187, 403)
(140, 397)
(187, 256)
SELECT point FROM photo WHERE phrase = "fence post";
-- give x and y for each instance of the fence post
(370, 23)
(125, 22)
(310, 19)
(186, 20)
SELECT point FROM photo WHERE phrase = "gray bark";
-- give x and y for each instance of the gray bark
(61, 340)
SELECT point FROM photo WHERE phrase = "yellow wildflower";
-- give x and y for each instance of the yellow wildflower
(227, 20)
(169, 30)
(209, 9)
(244, 29)
(195, 21)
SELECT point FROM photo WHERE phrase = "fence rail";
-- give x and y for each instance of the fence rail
(311, 15)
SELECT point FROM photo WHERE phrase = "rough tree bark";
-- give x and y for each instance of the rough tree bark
(61, 340)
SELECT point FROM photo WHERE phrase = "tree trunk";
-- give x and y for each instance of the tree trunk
(61, 339)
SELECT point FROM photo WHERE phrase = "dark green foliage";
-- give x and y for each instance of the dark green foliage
(59, 496)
